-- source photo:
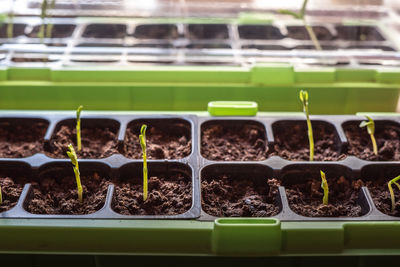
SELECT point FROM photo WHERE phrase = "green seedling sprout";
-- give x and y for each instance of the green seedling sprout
(78, 127)
(43, 12)
(304, 101)
(370, 124)
(301, 16)
(142, 139)
(324, 186)
(49, 28)
(10, 25)
(393, 181)
(74, 160)
(46, 5)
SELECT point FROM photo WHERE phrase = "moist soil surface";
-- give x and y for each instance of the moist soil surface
(358, 33)
(233, 143)
(160, 144)
(156, 31)
(291, 142)
(27, 59)
(360, 144)
(306, 199)
(166, 196)
(300, 33)
(105, 31)
(225, 196)
(380, 194)
(208, 31)
(259, 32)
(10, 193)
(18, 140)
(59, 195)
(57, 31)
(96, 142)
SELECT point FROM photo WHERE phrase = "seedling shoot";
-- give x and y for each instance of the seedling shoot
(324, 186)
(370, 124)
(50, 25)
(10, 26)
(301, 15)
(304, 101)
(393, 181)
(74, 160)
(78, 127)
(43, 12)
(142, 139)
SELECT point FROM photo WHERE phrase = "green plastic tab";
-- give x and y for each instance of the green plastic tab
(246, 236)
(232, 108)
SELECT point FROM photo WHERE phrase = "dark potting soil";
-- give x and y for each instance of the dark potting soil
(301, 33)
(208, 31)
(380, 194)
(161, 144)
(259, 32)
(244, 142)
(30, 59)
(156, 31)
(360, 145)
(166, 196)
(306, 198)
(57, 30)
(105, 31)
(358, 33)
(291, 141)
(96, 142)
(10, 192)
(226, 196)
(59, 195)
(21, 138)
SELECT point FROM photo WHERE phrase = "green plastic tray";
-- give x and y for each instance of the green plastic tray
(274, 87)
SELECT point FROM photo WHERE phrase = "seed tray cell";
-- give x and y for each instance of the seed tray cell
(18, 30)
(274, 180)
(57, 31)
(156, 31)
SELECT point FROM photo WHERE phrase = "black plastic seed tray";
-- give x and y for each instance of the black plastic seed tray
(198, 169)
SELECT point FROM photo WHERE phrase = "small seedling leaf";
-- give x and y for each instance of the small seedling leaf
(370, 124)
(72, 155)
(291, 13)
(78, 112)
(78, 127)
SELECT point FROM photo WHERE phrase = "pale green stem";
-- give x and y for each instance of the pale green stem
(374, 146)
(78, 134)
(393, 181)
(78, 183)
(312, 35)
(310, 133)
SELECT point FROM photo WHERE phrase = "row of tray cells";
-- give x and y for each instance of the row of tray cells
(220, 140)
(226, 190)
(202, 32)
